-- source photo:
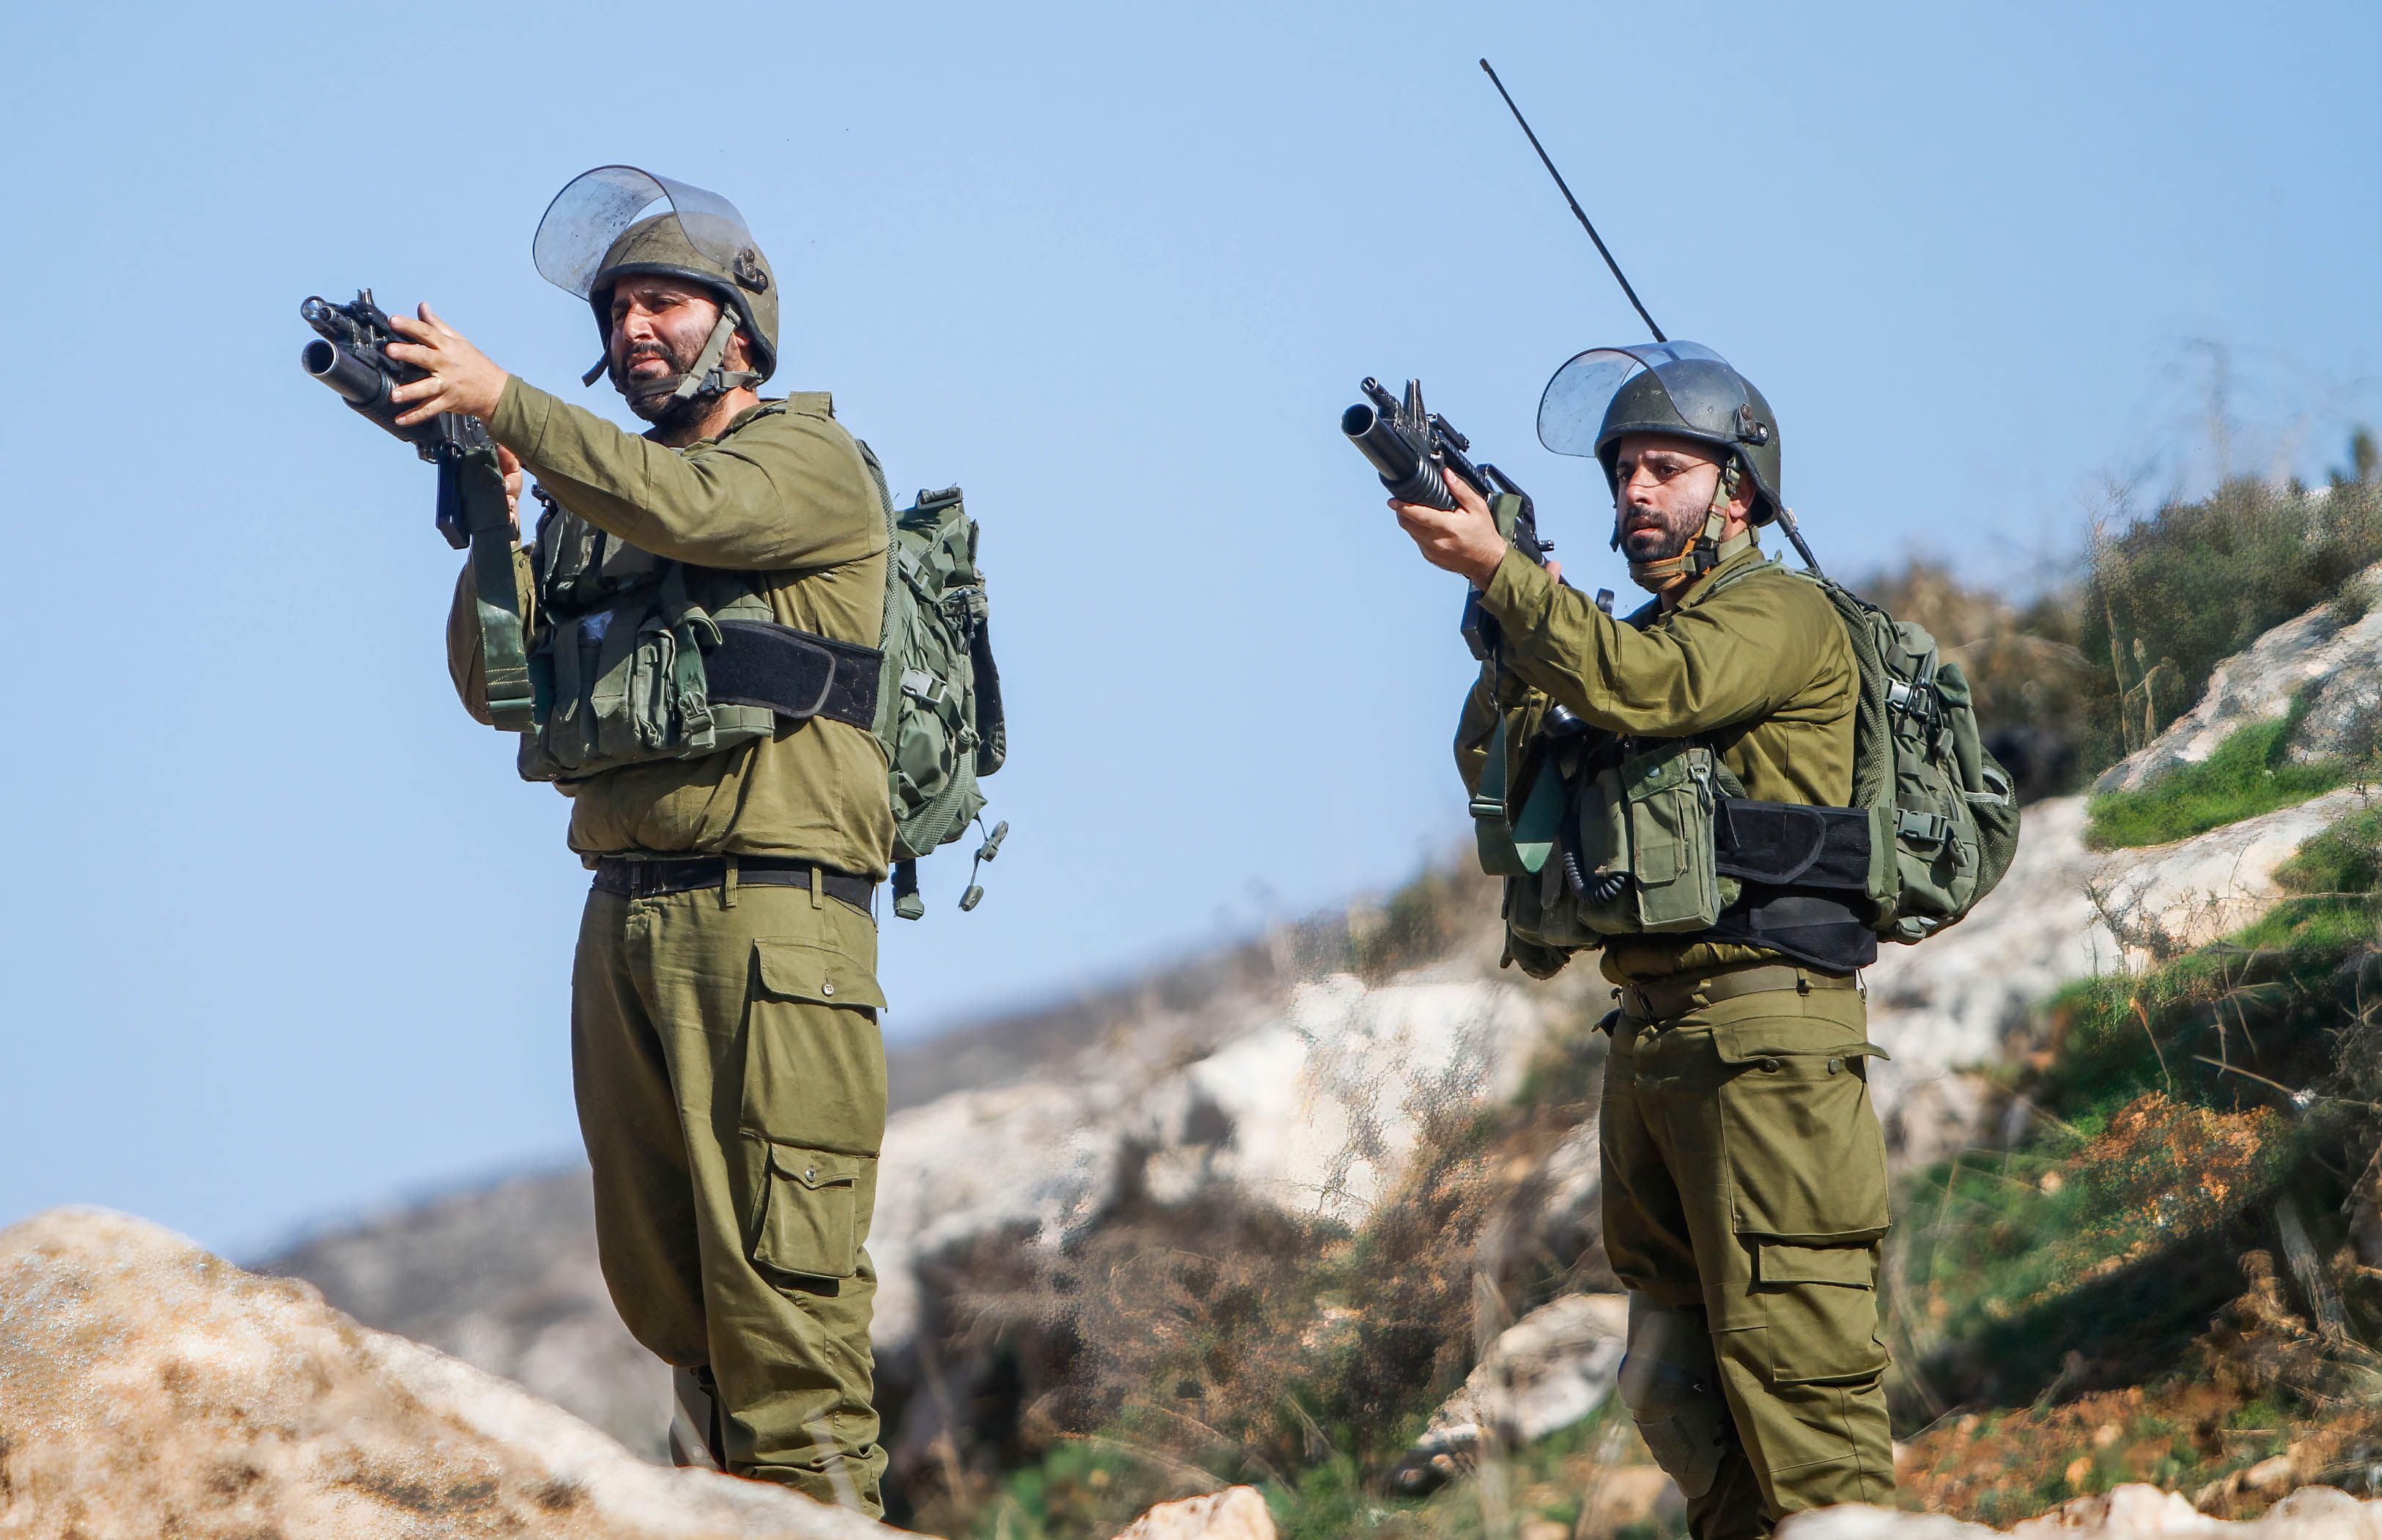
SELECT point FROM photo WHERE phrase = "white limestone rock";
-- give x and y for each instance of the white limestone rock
(2310, 1513)
(147, 1387)
(1235, 1513)
(1545, 1372)
(1315, 1107)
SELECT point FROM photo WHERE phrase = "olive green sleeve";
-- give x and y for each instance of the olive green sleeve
(464, 660)
(789, 490)
(1743, 653)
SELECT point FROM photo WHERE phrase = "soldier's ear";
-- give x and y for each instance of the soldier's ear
(1748, 497)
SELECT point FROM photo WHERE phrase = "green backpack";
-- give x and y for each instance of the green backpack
(938, 697)
(1935, 797)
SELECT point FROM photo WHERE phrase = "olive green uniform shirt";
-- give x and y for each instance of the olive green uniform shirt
(783, 493)
(1762, 669)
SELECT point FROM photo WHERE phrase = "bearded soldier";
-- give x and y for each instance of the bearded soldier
(1745, 1187)
(704, 605)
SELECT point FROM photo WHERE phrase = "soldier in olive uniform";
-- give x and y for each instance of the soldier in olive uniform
(1745, 1193)
(729, 1074)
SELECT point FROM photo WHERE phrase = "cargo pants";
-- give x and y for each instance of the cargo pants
(730, 1082)
(1745, 1201)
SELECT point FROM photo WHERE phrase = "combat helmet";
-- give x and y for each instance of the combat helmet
(597, 231)
(1679, 389)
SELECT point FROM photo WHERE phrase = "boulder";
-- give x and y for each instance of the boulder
(1545, 1372)
(505, 1278)
(147, 1387)
(2310, 1513)
(1313, 1107)
(1235, 1513)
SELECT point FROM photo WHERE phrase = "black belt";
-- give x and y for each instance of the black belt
(795, 674)
(660, 875)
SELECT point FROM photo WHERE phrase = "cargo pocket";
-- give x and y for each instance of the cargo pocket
(1820, 1307)
(810, 1214)
(1805, 1155)
(814, 1059)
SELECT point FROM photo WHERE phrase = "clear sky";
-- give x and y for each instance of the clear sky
(285, 935)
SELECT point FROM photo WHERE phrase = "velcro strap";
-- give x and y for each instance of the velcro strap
(1792, 844)
(794, 673)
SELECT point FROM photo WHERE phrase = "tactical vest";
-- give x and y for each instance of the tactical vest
(635, 658)
(1618, 836)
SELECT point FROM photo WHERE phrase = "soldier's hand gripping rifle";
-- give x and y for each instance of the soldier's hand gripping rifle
(351, 355)
(1415, 450)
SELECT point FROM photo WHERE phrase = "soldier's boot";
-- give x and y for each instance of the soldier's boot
(695, 1431)
(1671, 1384)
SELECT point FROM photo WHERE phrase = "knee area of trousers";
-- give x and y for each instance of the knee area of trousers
(1670, 1382)
(1668, 1360)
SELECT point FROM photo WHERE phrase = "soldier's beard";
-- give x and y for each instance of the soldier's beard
(649, 397)
(1664, 540)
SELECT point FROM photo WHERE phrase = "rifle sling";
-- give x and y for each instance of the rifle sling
(472, 479)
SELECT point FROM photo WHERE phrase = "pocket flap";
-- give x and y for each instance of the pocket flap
(803, 970)
(1657, 769)
(1780, 1261)
(1787, 1037)
(813, 1169)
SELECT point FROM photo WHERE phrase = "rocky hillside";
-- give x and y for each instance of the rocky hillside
(1255, 1218)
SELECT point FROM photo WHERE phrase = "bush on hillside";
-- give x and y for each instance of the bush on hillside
(2074, 679)
(2173, 595)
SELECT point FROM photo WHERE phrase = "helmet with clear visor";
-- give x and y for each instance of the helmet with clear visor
(1679, 389)
(605, 226)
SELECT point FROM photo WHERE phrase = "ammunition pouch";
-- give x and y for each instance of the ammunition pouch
(638, 658)
(1637, 837)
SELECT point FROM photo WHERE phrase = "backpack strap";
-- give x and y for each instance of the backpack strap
(1515, 846)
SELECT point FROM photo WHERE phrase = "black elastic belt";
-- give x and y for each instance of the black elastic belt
(1791, 844)
(1820, 929)
(1805, 872)
(656, 877)
(795, 674)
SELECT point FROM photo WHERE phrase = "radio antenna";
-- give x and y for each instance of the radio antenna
(1577, 213)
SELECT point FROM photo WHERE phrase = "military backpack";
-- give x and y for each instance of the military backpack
(1602, 836)
(938, 710)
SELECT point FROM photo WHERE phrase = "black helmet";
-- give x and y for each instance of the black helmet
(1680, 389)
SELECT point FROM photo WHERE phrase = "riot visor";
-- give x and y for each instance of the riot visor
(1701, 387)
(597, 208)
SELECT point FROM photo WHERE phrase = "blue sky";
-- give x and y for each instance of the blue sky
(287, 937)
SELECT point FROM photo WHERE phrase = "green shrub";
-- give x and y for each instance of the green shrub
(2247, 775)
(2172, 596)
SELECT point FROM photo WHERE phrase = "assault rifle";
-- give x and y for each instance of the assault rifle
(351, 355)
(1415, 450)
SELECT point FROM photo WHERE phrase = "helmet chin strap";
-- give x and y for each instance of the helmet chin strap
(706, 382)
(1703, 553)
